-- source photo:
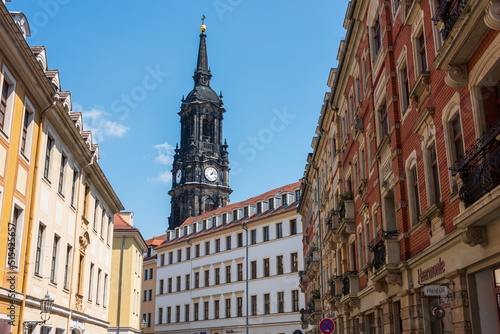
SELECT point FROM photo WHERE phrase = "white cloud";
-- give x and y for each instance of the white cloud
(165, 153)
(100, 123)
(164, 156)
(164, 177)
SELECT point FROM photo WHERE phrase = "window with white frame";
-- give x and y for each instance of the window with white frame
(364, 73)
(404, 84)
(74, 188)
(453, 134)
(15, 230)
(413, 190)
(7, 97)
(48, 154)
(432, 174)
(438, 38)
(54, 263)
(27, 130)
(419, 50)
(376, 37)
(62, 167)
(39, 250)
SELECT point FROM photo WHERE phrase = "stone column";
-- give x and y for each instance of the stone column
(387, 316)
(416, 313)
(459, 299)
(406, 310)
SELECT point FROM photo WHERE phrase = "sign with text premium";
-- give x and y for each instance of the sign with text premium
(435, 290)
(431, 272)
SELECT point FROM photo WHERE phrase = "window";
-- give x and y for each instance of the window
(53, 266)
(267, 303)
(217, 276)
(177, 313)
(414, 195)
(217, 245)
(245, 211)
(295, 300)
(207, 277)
(67, 267)
(48, 153)
(160, 287)
(364, 73)
(253, 265)
(254, 305)
(39, 245)
(205, 311)
(179, 255)
(207, 130)
(433, 175)
(266, 267)
(27, 129)
(197, 280)
(239, 306)
(188, 284)
(377, 38)
(160, 315)
(384, 121)
(228, 274)
(293, 227)
(178, 283)
(105, 293)
(186, 313)
(235, 215)
(196, 311)
(170, 257)
(404, 89)
(110, 230)
(421, 52)
(279, 264)
(271, 204)
(457, 137)
(80, 276)
(265, 233)
(259, 207)
(209, 205)
(224, 219)
(281, 302)
(96, 207)
(60, 186)
(90, 280)
(239, 238)
(162, 260)
(216, 309)
(207, 248)
(150, 273)
(149, 320)
(145, 274)
(284, 200)
(239, 267)
(74, 188)
(6, 101)
(98, 290)
(197, 250)
(253, 237)
(169, 314)
(279, 230)
(294, 259)
(103, 219)
(228, 242)
(228, 308)
(214, 221)
(360, 249)
(297, 195)
(358, 90)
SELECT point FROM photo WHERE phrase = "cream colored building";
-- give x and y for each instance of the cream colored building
(126, 276)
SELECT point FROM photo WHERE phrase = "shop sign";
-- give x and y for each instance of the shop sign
(435, 290)
(431, 272)
(233, 331)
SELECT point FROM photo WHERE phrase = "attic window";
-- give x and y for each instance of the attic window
(245, 211)
(235, 215)
(284, 199)
(259, 207)
(271, 204)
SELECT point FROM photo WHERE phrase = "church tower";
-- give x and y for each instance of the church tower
(200, 171)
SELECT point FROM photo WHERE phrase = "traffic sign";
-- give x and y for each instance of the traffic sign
(326, 326)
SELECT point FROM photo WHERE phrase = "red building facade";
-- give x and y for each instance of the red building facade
(413, 122)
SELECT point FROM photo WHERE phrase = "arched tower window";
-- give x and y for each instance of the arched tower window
(207, 130)
(209, 205)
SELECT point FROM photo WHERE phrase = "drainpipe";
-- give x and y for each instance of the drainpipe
(246, 276)
(30, 222)
(120, 286)
(320, 241)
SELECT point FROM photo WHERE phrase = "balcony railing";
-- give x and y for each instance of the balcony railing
(342, 205)
(479, 168)
(447, 15)
(346, 282)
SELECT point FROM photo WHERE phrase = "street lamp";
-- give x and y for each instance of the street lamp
(143, 325)
(45, 311)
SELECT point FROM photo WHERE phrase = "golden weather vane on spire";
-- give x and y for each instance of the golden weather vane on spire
(203, 27)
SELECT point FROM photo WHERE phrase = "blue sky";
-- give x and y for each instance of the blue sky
(129, 63)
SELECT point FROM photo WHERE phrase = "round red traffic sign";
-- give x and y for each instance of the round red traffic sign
(327, 326)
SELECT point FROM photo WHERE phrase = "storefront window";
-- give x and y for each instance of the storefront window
(496, 290)
(440, 311)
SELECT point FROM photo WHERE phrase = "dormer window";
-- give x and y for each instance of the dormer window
(271, 204)
(185, 230)
(245, 211)
(235, 215)
(150, 251)
(284, 199)
(224, 219)
(297, 195)
(204, 224)
(214, 221)
(259, 207)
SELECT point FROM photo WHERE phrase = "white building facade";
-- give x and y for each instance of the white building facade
(233, 270)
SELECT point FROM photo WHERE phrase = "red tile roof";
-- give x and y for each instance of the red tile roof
(121, 224)
(229, 208)
(155, 241)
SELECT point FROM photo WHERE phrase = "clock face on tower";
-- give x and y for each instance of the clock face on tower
(211, 174)
(178, 176)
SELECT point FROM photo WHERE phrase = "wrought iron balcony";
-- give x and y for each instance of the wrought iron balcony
(312, 262)
(346, 215)
(479, 167)
(447, 15)
(346, 282)
(377, 247)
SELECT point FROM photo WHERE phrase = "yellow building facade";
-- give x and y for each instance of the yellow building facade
(126, 276)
